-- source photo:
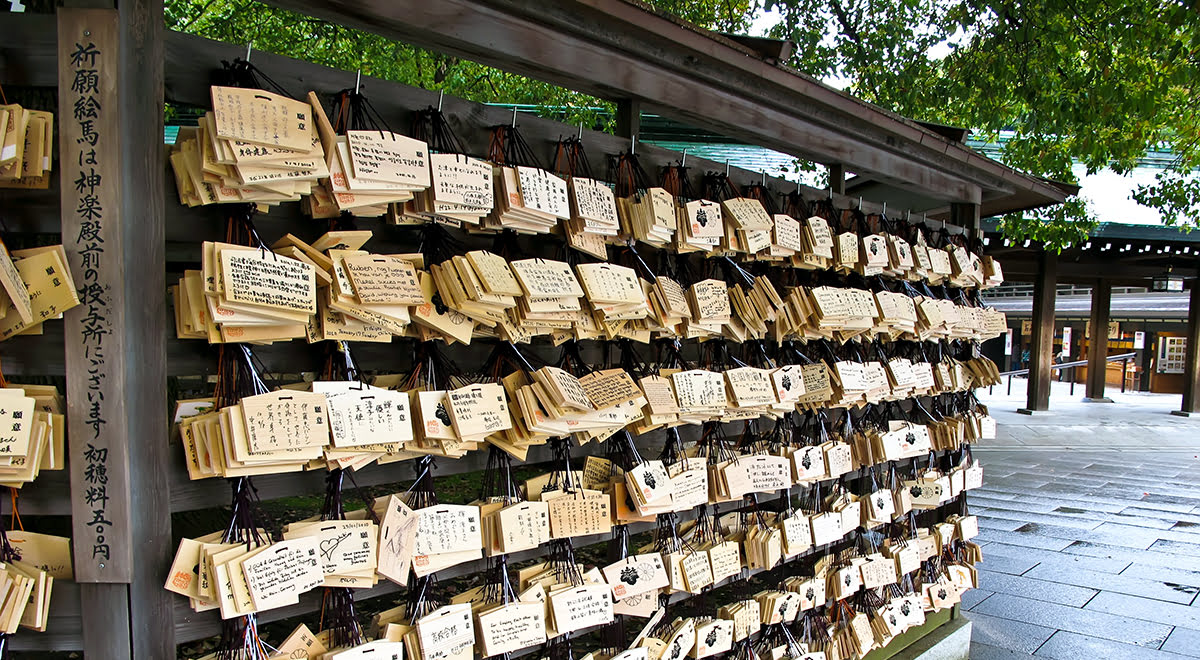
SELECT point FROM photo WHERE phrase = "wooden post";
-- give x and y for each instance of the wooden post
(113, 231)
(1041, 354)
(98, 450)
(1191, 371)
(629, 118)
(966, 215)
(143, 292)
(1098, 343)
(837, 179)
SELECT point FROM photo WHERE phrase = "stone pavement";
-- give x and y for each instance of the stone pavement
(1133, 420)
(1090, 527)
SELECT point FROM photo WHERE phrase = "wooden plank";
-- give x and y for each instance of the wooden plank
(967, 217)
(106, 624)
(629, 118)
(1041, 353)
(569, 42)
(837, 178)
(95, 356)
(772, 51)
(1191, 379)
(192, 625)
(188, 84)
(32, 211)
(1098, 341)
(29, 56)
(64, 627)
(703, 93)
(206, 493)
(143, 226)
(49, 495)
(61, 635)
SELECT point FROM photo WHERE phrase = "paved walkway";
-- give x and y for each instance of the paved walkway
(1090, 527)
(1133, 420)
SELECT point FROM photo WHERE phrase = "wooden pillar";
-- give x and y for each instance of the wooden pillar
(629, 118)
(966, 215)
(837, 179)
(1098, 342)
(1191, 371)
(113, 214)
(143, 225)
(1041, 354)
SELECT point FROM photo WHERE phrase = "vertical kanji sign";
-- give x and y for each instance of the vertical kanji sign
(90, 148)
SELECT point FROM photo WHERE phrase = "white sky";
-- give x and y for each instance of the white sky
(1108, 194)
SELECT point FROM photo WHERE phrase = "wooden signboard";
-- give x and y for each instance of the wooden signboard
(91, 199)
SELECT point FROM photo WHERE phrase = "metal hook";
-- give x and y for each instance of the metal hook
(580, 138)
(441, 96)
(884, 212)
(514, 124)
(727, 167)
(249, 46)
(357, 81)
(764, 178)
(683, 162)
(633, 145)
(860, 203)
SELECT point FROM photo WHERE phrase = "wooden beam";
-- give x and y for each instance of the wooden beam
(1098, 342)
(614, 49)
(104, 610)
(1191, 377)
(1041, 353)
(142, 291)
(629, 118)
(189, 85)
(773, 51)
(1022, 265)
(116, 403)
(837, 178)
(967, 217)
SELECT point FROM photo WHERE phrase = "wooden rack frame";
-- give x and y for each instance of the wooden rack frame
(120, 610)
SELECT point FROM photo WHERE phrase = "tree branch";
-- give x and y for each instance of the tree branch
(848, 27)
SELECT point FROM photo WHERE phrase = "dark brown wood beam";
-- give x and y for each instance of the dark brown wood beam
(1120, 270)
(629, 118)
(772, 51)
(967, 217)
(837, 178)
(1098, 342)
(1191, 377)
(614, 50)
(1041, 353)
(143, 227)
